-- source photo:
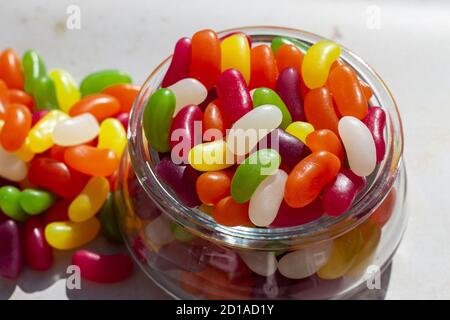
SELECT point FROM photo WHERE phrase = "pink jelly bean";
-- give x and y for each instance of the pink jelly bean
(11, 255)
(288, 88)
(288, 216)
(375, 120)
(178, 255)
(123, 118)
(37, 115)
(228, 261)
(38, 253)
(235, 100)
(339, 194)
(237, 32)
(103, 268)
(180, 65)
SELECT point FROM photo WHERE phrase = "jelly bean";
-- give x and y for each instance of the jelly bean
(376, 121)
(180, 233)
(158, 231)
(90, 200)
(235, 100)
(252, 127)
(10, 69)
(58, 211)
(69, 235)
(347, 93)
(229, 213)
(300, 130)
(319, 110)
(41, 134)
(289, 217)
(103, 268)
(226, 260)
(33, 68)
(250, 173)
(188, 91)
(37, 115)
(11, 166)
(277, 42)
(367, 90)
(112, 136)
(67, 93)
(288, 88)
(211, 97)
(345, 250)
(213, 186)
(108, 221)
(289, 56)
(178, 255)
(92, 161)
(340, 193)
(126, 94)
(158, 119)
(38, 254)
(45, 93)
(383, 213)
(16, 127)
(35, 201)
(305, 262)
(10, 203)
(64, 182)
(266, 200)
(4, 99)
(260, 262)
(100, 105)
(264, 70)
(359, 145)
(24, 152)
(205, 57)
(180, 64)
(309, 177)
(98, 81)
(325, 140)
(21, 97)
(211, 156)
(123, 118)
(11, 256)
(247, 37)
(76, 130)
(317, 62)
(213, 120)
(235, 54)
(182, 180)
(263, 96)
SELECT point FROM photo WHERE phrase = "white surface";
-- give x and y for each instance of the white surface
(411, 50)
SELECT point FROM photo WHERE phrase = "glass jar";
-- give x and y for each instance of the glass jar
(188, 255)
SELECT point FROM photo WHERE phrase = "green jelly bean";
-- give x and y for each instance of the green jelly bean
(35, 201)
(250, 173)
(108, 221)
(97, 81)
(277, 42)
(33, 69)
(158, 115)
(181, 234)
(45, 93)
(10, 203)
(263, 96)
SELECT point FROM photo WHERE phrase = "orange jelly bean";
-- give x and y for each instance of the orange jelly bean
(212, 119)
(92, 161)
(289, 56)
(100, 105)
(16, 127)
(320, 111)
(309, 177)
(325, 140)
(4, 99)
(19, 96)
(229, 213)
(264, 70)
(383, 213)
(367, 90)
(213, 186)
(125, 93)
(10, 69)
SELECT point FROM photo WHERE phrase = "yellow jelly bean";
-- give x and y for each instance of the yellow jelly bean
(69, 235)
(300, 130)
(90, 200)
(317, 63)
(211, 156)
(41, 134)
(67, 92)
(25, 153)
(112, 136)
(345, 250)
(236, 54)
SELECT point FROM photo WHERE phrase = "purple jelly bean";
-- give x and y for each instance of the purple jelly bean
(11, 254)
(226, 260)
(235, 100)
(339, 194)
(181, 178)
(37, 115)
(289, 217)
(180, 65)
(249, 40)
(178, 255)
(288, 88)
(375, 120)
(123, 118)
(271, 287)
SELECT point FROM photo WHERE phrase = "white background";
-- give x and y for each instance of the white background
(411, 51)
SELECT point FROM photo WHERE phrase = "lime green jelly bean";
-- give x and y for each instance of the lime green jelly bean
(263, 96)
(67, 92)
(45, 93)
(35, 201)
(277, 42)
(180, 233)
(10, 203)
(33, 68)
(97, 81)
(252, 172)
(108, 221)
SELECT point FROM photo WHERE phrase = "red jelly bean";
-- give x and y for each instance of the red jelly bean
(11, 256)
(16, 127)
(103, 268)
(10, 69)
(181, 63)
(376, 121)
(205, 57)
(38, 253)
(264, 70)
(288, 88)
(37, 115)
(58, 211)
(91, 160)
(289, 217)
(100, 105)
(320, 111)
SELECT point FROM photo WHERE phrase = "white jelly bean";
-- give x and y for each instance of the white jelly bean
(188, 91)
(359, 145)
(305, 262)
(260, 262)
(158, 231)
(267, 198)
(76, 130)
(11, 166)
(245, 133)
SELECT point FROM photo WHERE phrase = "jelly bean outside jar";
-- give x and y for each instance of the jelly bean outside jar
(190, 256)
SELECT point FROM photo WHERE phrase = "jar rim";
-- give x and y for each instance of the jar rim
(381, 181)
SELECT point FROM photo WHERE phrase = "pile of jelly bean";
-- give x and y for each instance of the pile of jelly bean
(60, 146)
(321, 141)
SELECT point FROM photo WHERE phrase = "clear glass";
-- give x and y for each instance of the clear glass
(190, 256)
